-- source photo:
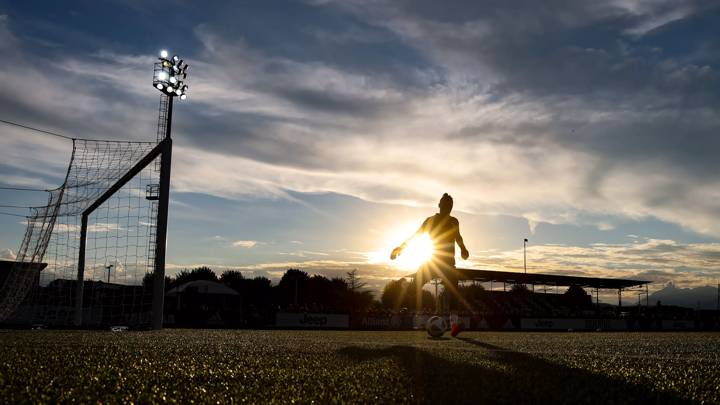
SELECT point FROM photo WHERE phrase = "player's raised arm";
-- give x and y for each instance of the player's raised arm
(459, 240)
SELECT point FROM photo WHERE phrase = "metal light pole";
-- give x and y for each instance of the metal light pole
(169, 77)
(525, 242)
(109, 267)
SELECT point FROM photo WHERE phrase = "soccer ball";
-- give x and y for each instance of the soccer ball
(436, 326)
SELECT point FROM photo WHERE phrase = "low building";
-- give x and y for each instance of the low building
(203, 303)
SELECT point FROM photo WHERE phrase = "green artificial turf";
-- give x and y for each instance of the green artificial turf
(226, 366)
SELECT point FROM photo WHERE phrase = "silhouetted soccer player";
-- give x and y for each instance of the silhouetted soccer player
(444, 230)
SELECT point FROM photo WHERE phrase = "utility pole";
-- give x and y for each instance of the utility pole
(525, 242)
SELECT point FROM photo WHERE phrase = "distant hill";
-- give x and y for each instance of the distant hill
(695, 298)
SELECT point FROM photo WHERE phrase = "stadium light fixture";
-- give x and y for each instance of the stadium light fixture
(170, 75)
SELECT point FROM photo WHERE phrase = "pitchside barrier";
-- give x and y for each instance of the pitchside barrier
(379, 322)
(616, 324)
(574, 324)
(419, 321)
(312, 320)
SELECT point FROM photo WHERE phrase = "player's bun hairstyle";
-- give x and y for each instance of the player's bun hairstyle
(446, 200)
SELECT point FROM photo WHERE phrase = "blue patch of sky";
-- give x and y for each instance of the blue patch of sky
(289, 29)
(86, 26)
(695, 39)
(307, 33)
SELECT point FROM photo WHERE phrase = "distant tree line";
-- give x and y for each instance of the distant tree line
(297, 290)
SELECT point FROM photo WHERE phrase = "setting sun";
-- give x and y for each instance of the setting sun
(418, 250)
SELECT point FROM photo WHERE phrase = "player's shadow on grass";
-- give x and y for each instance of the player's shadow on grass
(504, 376)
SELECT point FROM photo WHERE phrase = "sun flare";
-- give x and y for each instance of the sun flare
(417, 251)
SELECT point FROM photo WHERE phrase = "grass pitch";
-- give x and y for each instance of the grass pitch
(357, 367)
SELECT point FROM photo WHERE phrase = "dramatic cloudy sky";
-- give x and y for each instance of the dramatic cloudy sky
(316, 132)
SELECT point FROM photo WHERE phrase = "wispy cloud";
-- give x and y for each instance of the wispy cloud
(247, 244)
(7, 254)
(99, 227)
(654, 260)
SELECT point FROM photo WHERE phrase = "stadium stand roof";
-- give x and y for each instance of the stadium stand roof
(546, 279)
(7, 265)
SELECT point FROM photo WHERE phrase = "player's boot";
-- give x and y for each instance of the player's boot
(455, 329)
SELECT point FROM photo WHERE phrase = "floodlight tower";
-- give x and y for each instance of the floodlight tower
(169, 78)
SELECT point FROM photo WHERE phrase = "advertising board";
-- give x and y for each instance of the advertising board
(312, 320)
(572, 324)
